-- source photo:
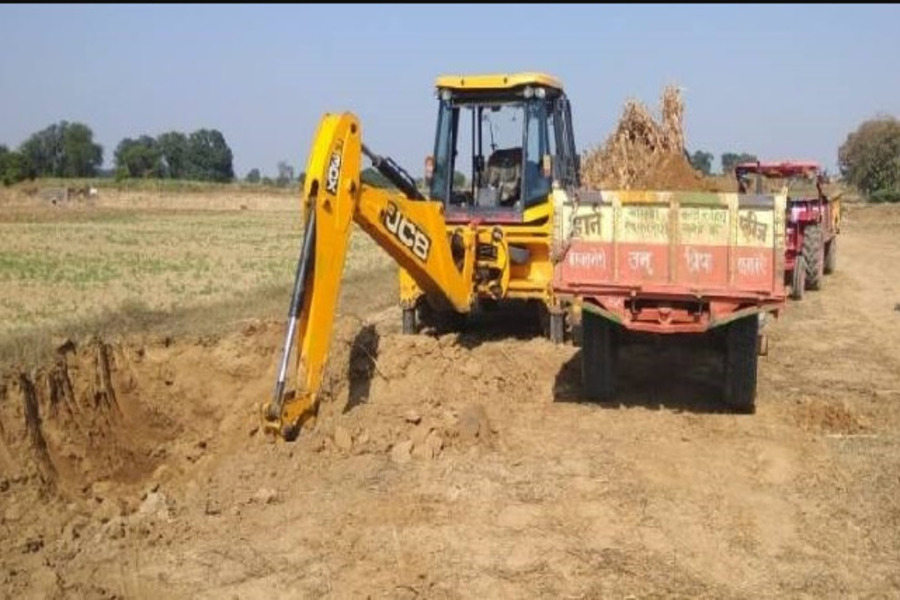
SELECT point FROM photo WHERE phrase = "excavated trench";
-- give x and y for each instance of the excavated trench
(88, 417)
(124, 414)
(116, 412)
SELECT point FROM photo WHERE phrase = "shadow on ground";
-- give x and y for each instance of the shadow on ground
(677, 373)
(491, 323)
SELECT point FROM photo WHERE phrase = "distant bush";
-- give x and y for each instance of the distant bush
(870, 157)
(882, 196)
(13, 167)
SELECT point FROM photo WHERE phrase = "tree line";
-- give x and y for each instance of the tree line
(203, 155)
(61, 150)
(869, 158)
(68, 150)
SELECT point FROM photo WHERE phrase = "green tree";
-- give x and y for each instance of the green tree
(870, 156)
(4, 161)
(43, 150)
(702, 161)
(81, 156)
(732, 159)
(173, 147)
(139, 158)
(209, 157)
(459, 180)
(253, 176)
(14, 168)
(63, 150)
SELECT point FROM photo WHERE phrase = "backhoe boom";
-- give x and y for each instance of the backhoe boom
(412, 231)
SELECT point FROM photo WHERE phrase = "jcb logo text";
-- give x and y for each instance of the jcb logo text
(407, 232)
(334, 170)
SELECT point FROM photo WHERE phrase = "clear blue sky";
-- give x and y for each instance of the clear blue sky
(778, 81)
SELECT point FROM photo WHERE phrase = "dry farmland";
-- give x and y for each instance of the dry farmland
(108, 268)
(452, 466)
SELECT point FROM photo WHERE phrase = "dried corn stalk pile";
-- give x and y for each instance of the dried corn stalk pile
(643, 153)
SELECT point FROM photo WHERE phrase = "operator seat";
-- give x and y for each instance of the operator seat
(503, 178)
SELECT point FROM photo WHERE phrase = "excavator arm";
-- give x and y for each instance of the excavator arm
(409, 228)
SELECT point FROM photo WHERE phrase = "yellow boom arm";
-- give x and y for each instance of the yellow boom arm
(412, 232)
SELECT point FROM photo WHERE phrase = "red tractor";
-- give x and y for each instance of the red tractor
(812, 219)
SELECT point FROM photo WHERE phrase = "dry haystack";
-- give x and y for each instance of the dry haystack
(643, 153)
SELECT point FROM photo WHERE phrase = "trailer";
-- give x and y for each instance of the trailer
(670, 263)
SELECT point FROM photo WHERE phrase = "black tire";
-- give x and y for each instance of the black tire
(814, 253)
(409, 321)
(831, 256)
(443, 321)
(741, 360)
(599, 357)
(577, 334)
(798, 279)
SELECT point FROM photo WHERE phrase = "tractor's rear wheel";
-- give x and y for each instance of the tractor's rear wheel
(831, 256)
(798, 279)
(741, 359)
(814, 253)
(599, 357)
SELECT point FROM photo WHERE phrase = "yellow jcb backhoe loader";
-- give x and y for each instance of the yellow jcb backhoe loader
(503, 143)
(484, 235)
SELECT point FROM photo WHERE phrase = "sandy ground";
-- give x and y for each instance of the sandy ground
(466, 466)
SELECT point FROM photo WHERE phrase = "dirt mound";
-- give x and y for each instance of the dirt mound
(643, 153)
(406, 396)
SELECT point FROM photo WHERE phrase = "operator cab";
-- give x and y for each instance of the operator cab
(502, 143)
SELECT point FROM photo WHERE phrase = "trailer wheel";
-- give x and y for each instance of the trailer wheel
(831, 256)
(409, 321)
(599, 357)
(798, 279)
(814, 253)
(741, 358)
(557, 328)
(577, 334)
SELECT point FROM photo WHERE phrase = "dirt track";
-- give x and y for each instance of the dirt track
(139, 471)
